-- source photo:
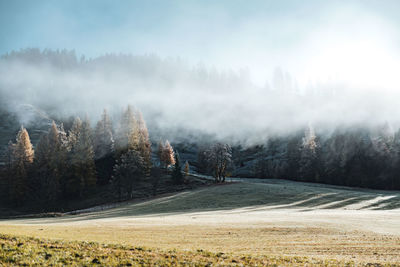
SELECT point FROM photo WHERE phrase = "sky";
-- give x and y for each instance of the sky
(357, 42)
(338, 62)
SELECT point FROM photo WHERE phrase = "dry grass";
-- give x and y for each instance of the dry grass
(317, 243)
(32, 251)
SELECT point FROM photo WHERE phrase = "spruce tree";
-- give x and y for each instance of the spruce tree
(81, 157)
(127, 132)
(41, 166)
(128, 171)
(177, 171)
(75, 180)
(55, 160)
(160, 152)
(21, 156)
(103, 137)
(309, 157)
(104, 149)
(87, 153)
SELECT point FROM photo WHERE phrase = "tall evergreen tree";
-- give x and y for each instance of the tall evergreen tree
(81, 157)
(335, 158)
(104, 148)
(293, 154)
(56, 158)
(41, 166)
(21, 159)
(103, 137)
(186, 169)
(87, 153)
(127, 132)
(309, 157)
(177, 171)
(144, 146)
(128, 171)
(160, 152)
(168, 154)
(49, 162)
(395, 170)
(75, 182)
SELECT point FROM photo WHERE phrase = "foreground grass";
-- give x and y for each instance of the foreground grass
(33, 251)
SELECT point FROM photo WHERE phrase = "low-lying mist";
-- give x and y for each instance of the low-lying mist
(175, 95)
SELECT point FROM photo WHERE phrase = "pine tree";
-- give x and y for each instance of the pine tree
(21, 156)
(127, 133)
(168, 154)
(75, 180)
(335, 158)
(160, 152)
(87, 153)
(9, 170)
(309, 157)
(395, 170)
(81, 157)
(186, 169)
(61, 156)
(177, 171)
(128, 171)
(49, 162)
(103, 137)
(144, 146)
(41, 166)
(202, 160)
(55, 162)
(104, 149)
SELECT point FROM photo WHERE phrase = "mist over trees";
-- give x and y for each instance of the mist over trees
(357, 157)
(209, 101)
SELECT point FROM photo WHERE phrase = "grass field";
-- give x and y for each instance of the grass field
(31, 251)
(270, 222)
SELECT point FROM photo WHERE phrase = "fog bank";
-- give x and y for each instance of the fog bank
(174, 94)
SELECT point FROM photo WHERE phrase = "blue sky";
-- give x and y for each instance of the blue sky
(259, 35)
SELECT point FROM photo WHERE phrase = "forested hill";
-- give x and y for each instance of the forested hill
(199, 110)
(360, 157)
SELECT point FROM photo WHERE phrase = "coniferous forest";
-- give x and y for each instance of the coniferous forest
(74, 163)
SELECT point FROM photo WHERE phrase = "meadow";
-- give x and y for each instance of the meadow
(253, 222)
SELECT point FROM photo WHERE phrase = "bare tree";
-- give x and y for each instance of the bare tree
(219, 158)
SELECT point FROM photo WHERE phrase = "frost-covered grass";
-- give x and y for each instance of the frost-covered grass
(265, 222)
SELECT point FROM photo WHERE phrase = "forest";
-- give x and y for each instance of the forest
(71, 159)
(73, 163)
(70, 164)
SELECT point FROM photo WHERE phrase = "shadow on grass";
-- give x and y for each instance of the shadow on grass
(250, 196)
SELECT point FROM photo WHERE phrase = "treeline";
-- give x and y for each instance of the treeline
(71, 164)
(349, 156)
